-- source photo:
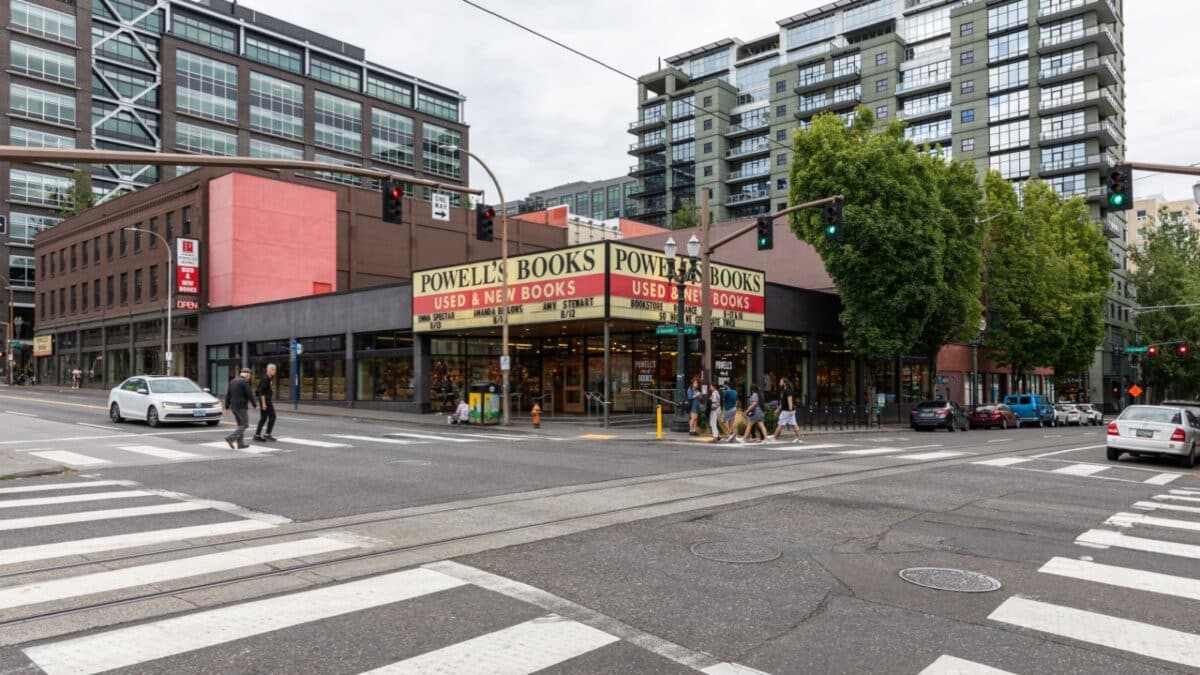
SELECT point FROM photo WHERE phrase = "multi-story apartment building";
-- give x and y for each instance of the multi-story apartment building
(1029, 88)
(209, 77)
(598, 200)
(1147, 213)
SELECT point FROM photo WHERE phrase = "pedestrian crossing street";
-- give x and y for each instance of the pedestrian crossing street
(169, 447)
(1152, 554)
(1122, 472)
(524, 630)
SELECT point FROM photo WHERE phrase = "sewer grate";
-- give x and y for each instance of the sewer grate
(735, 552)
(946, 579)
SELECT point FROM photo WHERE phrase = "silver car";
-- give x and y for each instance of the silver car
(1154, 430)
(1092, 414)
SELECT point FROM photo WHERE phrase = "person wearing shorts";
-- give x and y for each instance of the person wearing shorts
(787, 410)
(729, 399)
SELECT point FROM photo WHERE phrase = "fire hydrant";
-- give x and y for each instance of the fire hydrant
(537, 415)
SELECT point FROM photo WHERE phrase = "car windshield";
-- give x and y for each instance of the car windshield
(986, 409)
(1147, 414)
(174, 385)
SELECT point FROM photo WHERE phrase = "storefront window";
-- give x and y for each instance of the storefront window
(384, 364)
(786, 356)
(835, 374)
(273, 351)
(323, 368)
(223, 363)
(117, 365)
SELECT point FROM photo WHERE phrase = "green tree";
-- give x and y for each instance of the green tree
(687, 216)
(79, 197)
(1168, 273)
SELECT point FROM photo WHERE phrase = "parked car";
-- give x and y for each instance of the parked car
(158, 400)
(938, 414)
(1094, 414)
(1157, 430)
(1031, 409)
(992, 415)
(1194, 406)
(1066, 414)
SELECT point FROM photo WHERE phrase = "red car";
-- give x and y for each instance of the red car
(993, 415)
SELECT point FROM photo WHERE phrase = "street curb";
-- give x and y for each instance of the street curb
(30, 473)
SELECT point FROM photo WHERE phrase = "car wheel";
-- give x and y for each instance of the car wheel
(1113, 454)
(152, 417)
(1040, 424)
(114, 413)
(1189, 460)
(213, 423)
(1004, 425)
(951, 425)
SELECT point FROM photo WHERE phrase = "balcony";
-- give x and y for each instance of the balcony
(1107, 103)
(1112, 228)
(649, 188)
(924, 113)
(763, 148)
(645, 168)
(913, 87)
(1105, 130)
(1056, 10)
(829, 80)
(1102, 36)
(647, 145)
(638, 126)
(842, 102)
(747, 174)
(745, 128)
(1102, 67)
(1077, 164)
(742, 198)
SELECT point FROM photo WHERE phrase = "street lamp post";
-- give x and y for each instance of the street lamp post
(689, 271)
(975, 363)
(168, 356)
(505, 362)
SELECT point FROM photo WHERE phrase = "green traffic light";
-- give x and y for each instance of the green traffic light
(831, 230)
(1116, 200)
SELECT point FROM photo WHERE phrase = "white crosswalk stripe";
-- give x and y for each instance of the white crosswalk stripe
(70, 458)
(870, 451)
(375, 439)
(1163, 478)
(1131, 519)
(89, 516)
(48, 487)
(310, 443)
(24, 554)
(1151, 506)
(792, 447)
(1142, 580)
(434, 437)
(254, 449)
(1104, 630)
(161, 453)
(1108, 538)
(1178, 495)
(67, 499)
(926, 456)
(525, 648)
(1004, 461)
(1081, 469)
(952, 665)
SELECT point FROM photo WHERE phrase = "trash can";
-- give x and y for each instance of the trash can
(485, 403)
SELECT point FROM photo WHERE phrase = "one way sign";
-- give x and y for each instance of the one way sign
(441, 207)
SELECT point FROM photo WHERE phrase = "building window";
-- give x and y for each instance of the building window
(109, 238)
(51, 312)
(123, 48)
(387, 90)
(74, 257)
(62, 261)
(780, 86)
(153, 233)
(435, 158)
(137, 285)
(273, 53)
(1011, 165)
(261, 148)
(881, 112)
(1008, 16)
(966, 28)
(206, 87)
(122, 125)
(338, 123)
(1009, 76)
(968, 145)
(336, 73)
(29, 138)
(276, 106)
(42, 105)
(881, 59)
(781, 135)
(83, 253)
(204, 141)
(781, 184)
(967, 57)
(967, 86)
(203, 31)
(438, 106)
(187, 221)
(968, 115)
(1008, 46)
(43, 63)
(881, 85)
(38, 188)
(707, 102)
(707, 124)
(83, 297)
(1005, 106)
(96, 251)
(137, 239)
(708, 147)
(96, 294)
(74, 299)
(392, 138)
(781, 159)
(21, 271)
(43, 21)
(109, 291)
(708, 170)
(122, 248)
(780, 111)
(1008, 136)
(153, 282)
(23, 227)
(124, 288)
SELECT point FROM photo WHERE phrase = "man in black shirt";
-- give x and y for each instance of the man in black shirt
(266, 408)
(237, 400)
(787, 411)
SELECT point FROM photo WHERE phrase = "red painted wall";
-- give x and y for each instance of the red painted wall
(269, 240)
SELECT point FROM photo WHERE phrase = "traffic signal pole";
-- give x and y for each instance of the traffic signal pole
(789, 210)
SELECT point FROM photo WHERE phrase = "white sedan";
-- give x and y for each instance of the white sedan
(159, 399)
(1154, 430)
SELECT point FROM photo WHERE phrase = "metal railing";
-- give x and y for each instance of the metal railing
(1052, 39)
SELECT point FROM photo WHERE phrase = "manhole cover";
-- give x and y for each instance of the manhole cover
(411, 462)
(735, 552)
(944, 579)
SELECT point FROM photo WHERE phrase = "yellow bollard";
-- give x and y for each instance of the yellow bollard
(658, 420)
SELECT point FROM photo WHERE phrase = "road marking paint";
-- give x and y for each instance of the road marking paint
(88, 516)
(226, 507)
(249, 450)
(1195, 493)
(130, 646)
(871, 451)
(67, 499)
(1081, 469)
(161, 453)
(1052, 436)
(1004, 461)
(99, 426)
(731, 669)
(587, 437)
(374, 439)
(70, 458)
(506, 437)
(315, 444)
(22, 414)
(52, 402)
(1131, 519)
(1151, 506)
(1162, 478)
(925, 456)
(922, 447)
(65, 439)
(66, 486)
(1178, 497)
(451, 439)
(1140, 580)
(952, 665)
(1002, 440)
(1145, 639)
(1059, 452)
(85, 546)
(788, 446)
(524, 648)
(1107, 538)
(143, 575)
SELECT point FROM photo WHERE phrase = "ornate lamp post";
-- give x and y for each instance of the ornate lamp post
(687, 271)
(975, 362)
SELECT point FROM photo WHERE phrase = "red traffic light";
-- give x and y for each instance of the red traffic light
(489, 213)
(1152, 350)
(1182, 350)
(397, 192)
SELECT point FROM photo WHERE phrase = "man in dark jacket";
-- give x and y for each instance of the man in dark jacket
(239, 396)
(266, 408)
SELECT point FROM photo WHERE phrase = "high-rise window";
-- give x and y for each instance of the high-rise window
(1008, 136)
(42, 63)
(42, 105)
(38, 188)
(23, 227)
(114, 83)
(21, 271)
(435, 158)
(122, 125)
(265, 50)
(388, 90)
(276, 106)
(926, 25)
(1008, 46)
(392, 138)
(812, 31)
(337, 176)
(1005, 106)
(210, 33)
(43, 21)
(206, 87)
(261, 148)
(1009, 76)
(1068, 156)
(39, 139)
(1011, 165)
(438, 106)
(338, 123)
(123, 48)
(1003, 17)
(204, 141)
(336, 73)
(752, 80)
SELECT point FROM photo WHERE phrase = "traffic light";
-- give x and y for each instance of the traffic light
(485, 229)
(1182, 349)
(831, 217)
(1119, 181)
(766, 233)
(1152, 350)
(393, 201)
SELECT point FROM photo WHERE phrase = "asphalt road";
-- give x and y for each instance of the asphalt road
(354, 546)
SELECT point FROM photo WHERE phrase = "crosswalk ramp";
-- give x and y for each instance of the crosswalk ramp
(1107, 472)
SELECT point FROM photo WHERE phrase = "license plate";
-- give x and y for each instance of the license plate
(928, 414)
(199, 413)
(1145, 433)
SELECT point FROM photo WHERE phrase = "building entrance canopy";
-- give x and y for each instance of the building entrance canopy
(603, 280)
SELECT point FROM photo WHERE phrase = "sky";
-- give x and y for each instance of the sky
(541, 116)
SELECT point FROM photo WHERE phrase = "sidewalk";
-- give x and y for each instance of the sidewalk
(20, 465)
